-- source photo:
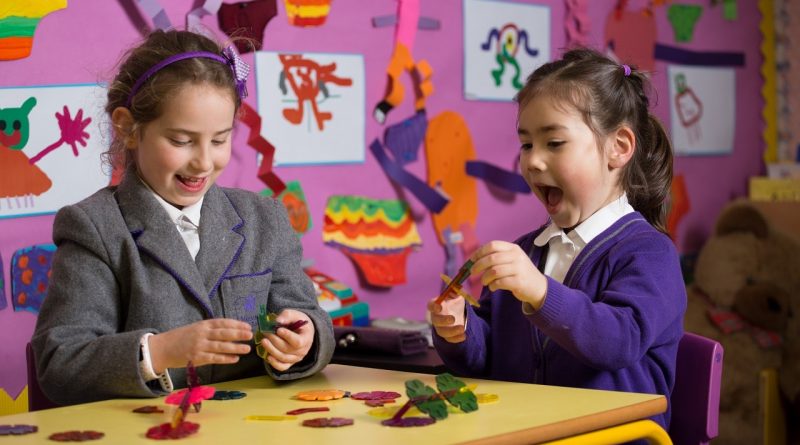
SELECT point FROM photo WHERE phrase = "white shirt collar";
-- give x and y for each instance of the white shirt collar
(594, 225)
(191, 212)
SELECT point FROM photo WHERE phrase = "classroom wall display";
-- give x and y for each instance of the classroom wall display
(18, 22)
(50, 145)
(312, 105)
(376, 234)
(503, 43)
(702, 109)
(294, 200)
(30, 275)
(3, 302)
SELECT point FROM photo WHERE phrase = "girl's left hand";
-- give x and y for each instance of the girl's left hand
(504, 265)
(285, 347)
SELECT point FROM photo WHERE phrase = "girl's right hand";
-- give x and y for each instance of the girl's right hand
(214, 341)
(447, 318)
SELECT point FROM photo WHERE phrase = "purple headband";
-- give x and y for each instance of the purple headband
(229, 57)
(627, 70)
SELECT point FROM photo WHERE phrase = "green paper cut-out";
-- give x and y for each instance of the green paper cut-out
(683, 18)
(421, 395)
(729, 10)
(451, 388)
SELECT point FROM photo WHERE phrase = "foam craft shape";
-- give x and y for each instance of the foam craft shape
(18, 22)
(448, 147)
(30, 275)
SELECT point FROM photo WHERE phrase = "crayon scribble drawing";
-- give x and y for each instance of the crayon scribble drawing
(508, 40)
(503, 41)
(308, 80)
(312, 106)
(35, 176)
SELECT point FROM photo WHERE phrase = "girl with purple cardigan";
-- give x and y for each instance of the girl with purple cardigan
(595, 298)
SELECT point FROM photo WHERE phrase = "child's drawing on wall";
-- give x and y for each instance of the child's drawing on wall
(36, 177)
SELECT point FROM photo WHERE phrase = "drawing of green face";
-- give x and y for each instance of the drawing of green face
(14, 125)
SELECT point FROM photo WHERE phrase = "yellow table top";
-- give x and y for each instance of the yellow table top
(525, 413)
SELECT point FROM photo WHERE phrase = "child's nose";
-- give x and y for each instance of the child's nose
(202, 160)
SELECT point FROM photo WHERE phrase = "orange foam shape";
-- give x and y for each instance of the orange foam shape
(448, 147)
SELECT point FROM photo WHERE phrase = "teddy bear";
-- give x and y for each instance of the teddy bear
(746, 295)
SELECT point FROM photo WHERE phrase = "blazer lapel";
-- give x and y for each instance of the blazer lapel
(157, 237)
(220, 239)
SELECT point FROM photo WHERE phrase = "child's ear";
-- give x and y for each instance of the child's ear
(123, 123)
(622, 142)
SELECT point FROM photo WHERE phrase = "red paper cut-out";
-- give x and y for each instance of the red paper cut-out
(327, 422)
(295, 412)
(375, 395)
(149, 409)
(76, 436)
(166, 431)
(409, 421)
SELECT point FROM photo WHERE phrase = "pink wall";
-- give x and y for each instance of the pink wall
(83, 42)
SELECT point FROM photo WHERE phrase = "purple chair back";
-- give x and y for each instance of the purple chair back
(36, 398)
(695, 398)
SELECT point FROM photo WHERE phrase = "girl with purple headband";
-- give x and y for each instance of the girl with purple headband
(168, 267)
(594, 298)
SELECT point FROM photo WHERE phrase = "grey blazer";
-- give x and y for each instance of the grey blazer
(121, 269)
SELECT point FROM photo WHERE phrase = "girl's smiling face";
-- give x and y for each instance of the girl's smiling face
(562, 162)
(181, 154)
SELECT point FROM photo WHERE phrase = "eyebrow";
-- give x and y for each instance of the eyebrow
(181, 130)
(542, 130)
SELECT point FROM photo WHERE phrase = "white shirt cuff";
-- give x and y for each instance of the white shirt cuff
(146, 366)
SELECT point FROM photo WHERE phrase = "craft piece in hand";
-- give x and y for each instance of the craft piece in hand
(375, 395)
(331, 422)
(166, 431)
(456, 392)
(295, 412)
(458, 289)
(17, 430)
(320, 394)
(148, 409)
(267, 324)
(421, 395)
(409, 421)
(76, 436)
(228, 395)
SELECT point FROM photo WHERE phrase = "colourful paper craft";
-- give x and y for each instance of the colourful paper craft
(17, 430)
(327, 422)
(156, 13)
(683, 18)
(316, 409)
(678, 205)
(18, 21)
(377, 235)
(76, 436)
(307, 13)
(320, 394)
(248, 19)
(402, 60)
(148, 409)
(30, 275)
(3, 302)
(193, 395)
(375, 395)
(620, 26)
(249, 116)
(228, 395)
(448, 147)
(431, 402)
(296, 205)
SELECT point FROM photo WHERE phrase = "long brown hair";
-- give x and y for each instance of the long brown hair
(608, 97)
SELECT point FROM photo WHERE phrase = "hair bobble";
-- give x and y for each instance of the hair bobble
(626, 69)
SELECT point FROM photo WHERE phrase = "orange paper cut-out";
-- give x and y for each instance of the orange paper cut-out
(320, 394)
(448, 147)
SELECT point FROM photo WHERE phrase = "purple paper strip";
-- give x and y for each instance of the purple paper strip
(404, 139)
(154, 10)
(497, 176)
(428, 196)
(3, 302)
(682, 56)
